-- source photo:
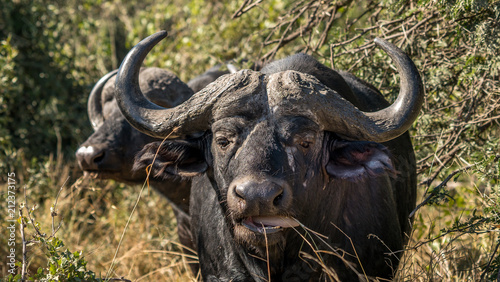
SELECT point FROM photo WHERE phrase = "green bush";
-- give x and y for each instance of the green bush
(43, 103)
(52, 52)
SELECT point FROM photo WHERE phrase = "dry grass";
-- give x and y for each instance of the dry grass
(434, 254)
(95, 213)
(149, 250)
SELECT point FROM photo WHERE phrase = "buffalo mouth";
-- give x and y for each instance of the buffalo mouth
(263, 230)
(268, 224)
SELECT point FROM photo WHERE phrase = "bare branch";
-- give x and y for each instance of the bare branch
(245, 7)
(437, 189)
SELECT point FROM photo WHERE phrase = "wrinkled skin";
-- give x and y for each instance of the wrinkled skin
(260, 159)
(110, 151)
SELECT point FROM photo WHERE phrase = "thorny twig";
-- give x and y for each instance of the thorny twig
(437, 189)
(23, 238)
(23, 225)
(245, 7)
(31, 220)
(490, 261)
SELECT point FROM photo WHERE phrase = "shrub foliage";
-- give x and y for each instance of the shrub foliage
(51, 53)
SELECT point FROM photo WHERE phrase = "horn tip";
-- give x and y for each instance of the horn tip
(163, 33)
(380, 42)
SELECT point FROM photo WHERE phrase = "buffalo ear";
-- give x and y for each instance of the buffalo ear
(352, 160)
(171, 159)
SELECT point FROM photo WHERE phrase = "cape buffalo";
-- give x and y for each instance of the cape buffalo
(110, 151)
(298, 172)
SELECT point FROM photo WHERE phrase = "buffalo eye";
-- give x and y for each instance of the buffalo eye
(304, 141)
(304, 144)
(222, 142)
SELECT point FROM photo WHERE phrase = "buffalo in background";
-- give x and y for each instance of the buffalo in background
(110, 151)
(272, 155)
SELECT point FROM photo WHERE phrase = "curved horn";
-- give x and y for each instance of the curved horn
(299, 93)
(392, 121)
(94, 104)
(192, 116)
(398, 117)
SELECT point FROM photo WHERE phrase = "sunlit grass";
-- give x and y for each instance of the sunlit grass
(94, 215)
(434, 254)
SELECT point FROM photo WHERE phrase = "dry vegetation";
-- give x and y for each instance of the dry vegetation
(455, 45)
(123, 231)
(96, 214)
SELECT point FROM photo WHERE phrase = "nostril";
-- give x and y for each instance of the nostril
(277, 199)
(98, 157)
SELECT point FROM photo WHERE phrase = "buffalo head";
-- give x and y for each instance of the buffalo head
(109, 152)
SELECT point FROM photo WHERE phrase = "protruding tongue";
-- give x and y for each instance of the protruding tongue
(273, 221)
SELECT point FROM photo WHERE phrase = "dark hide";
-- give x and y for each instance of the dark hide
(256, 162)
(367, 98)
(110, 151)
(205, 78)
